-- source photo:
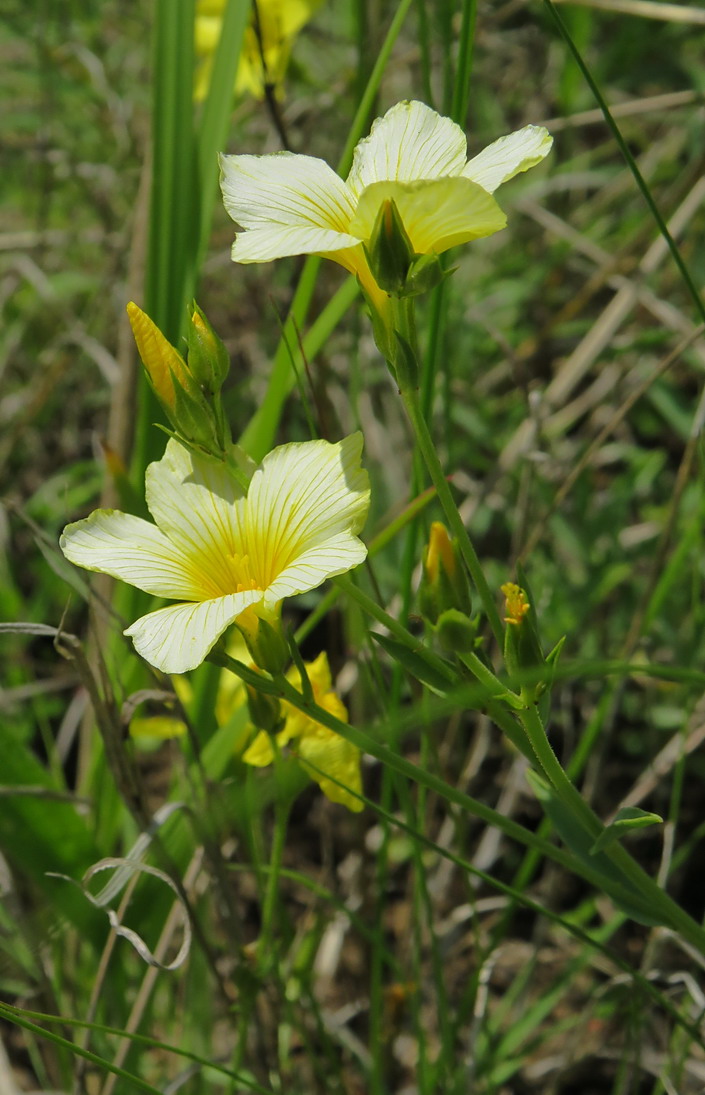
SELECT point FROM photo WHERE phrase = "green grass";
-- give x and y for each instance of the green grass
(444, 939)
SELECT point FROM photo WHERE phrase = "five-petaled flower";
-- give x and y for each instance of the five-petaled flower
(320, 751)
(289, 204)
(223, 553)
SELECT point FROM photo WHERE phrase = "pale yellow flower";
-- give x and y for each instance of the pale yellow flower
(220, 551)
(288, 204)
(323, 753)
(266, 44)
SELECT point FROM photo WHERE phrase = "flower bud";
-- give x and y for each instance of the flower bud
(265, 711)
(389, 252)
(166, 369)
(208, 359)
(266, 643)
(444, 584)
(455, 631)
(192, 408)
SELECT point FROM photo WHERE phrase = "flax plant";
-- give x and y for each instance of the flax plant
(410, 195)
(240, 538)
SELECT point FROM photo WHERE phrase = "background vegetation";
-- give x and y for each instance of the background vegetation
(414, 947)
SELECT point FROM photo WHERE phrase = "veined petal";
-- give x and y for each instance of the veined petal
(131, 549)
(302, 496)
(508, 156)
(178, 638)
(287, 205)
(276, 241)
(313, 567)
(196, 503)
(410, 142)
(437, 214)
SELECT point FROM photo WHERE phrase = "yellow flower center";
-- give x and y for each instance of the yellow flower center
(239, 574)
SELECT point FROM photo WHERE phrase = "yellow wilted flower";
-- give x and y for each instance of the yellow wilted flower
(517, 605)
(288, 204)
(319, 750)
(219, 549)
(266, 46)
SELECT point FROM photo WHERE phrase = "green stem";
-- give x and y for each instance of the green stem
(417, 646)
(404, 323)
(497, 694)
(428, 451)
(269, 906)
(663, 906)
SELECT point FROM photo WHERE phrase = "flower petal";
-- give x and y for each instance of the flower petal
(355, 260)
(437, 214)
(178, 638)
(131, 549)
(324, 754)
(312, 568)
(207, 30)
(196, 502)
(410, 142)
(508, 156)
(305, 496)
(287, 205)
(260, 752)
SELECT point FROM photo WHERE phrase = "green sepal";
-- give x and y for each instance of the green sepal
(389, 252)
(425, 273)
(267, 645)
(628, 818)
(406, 367)
(381, 331)
(581, 843)
(418, 667)
(265, 711)
(192, 417)
(455, 631)
(445, 590)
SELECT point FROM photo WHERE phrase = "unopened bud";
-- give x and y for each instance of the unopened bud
(389, 252)
(265, 711)
(266, 643)
(165, 368)
(455, 631)
(194, 412)
(444, 584)
(208, 359)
